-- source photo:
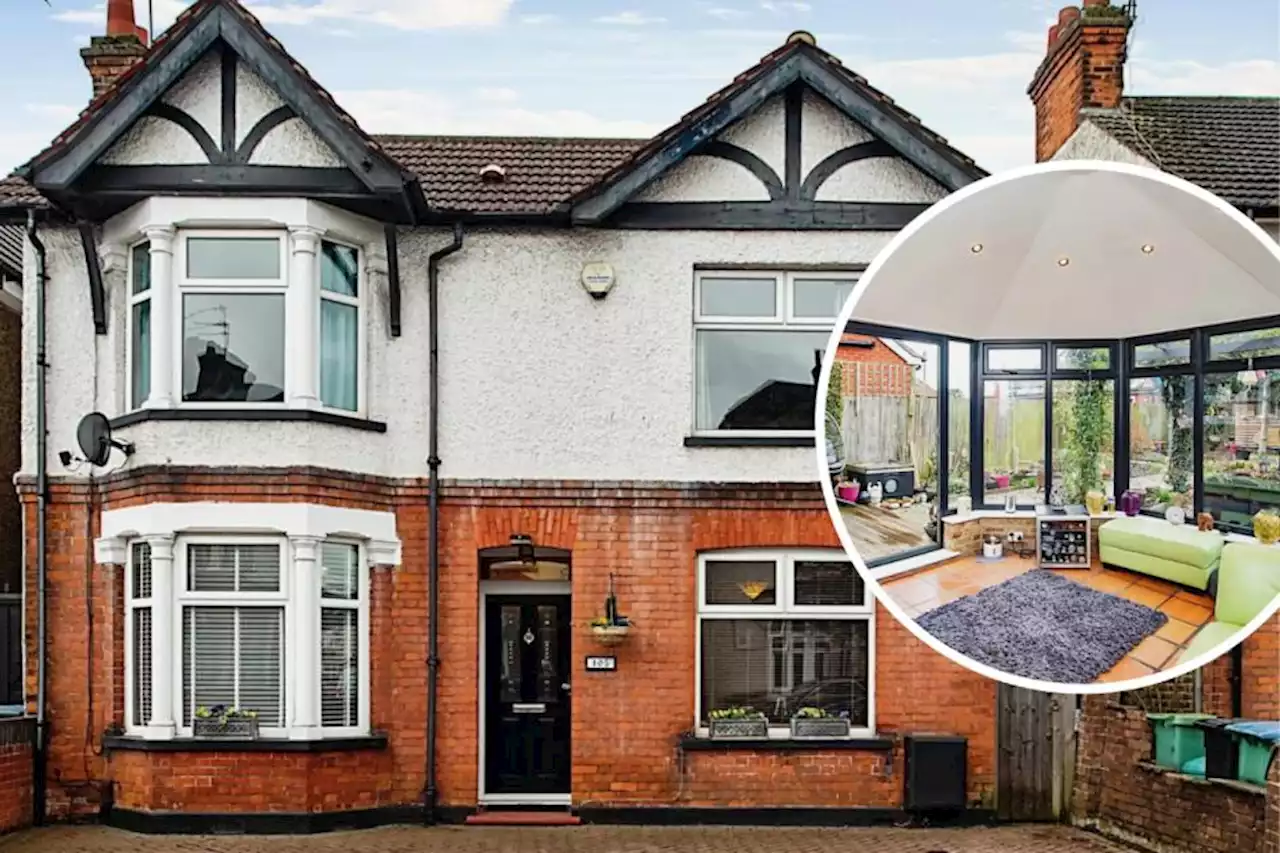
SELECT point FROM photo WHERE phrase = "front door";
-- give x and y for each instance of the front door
(527, 694)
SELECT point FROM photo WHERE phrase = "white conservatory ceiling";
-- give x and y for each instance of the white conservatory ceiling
(1075, 254)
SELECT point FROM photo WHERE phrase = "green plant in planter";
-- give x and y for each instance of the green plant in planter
(736, 713)
(812, 714)
(222, 713)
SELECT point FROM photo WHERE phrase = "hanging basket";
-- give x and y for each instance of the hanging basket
(610, 635)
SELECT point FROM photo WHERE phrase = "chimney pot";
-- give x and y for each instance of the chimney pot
(1054, 29)
(1067, 14)
(109, 56)
(1089, 3)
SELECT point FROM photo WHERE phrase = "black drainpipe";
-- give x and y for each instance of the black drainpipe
(42, 495)
(433, 505)
(1237, 681)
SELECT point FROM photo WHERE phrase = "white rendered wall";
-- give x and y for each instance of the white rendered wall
(1090, 142)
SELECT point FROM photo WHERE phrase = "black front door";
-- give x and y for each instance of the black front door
(527, 694)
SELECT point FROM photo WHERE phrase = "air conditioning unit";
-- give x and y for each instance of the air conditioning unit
(936, 773)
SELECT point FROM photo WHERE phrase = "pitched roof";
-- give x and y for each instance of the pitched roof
(1227, 145)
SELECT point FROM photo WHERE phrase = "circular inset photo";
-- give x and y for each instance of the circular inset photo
(1052, 412)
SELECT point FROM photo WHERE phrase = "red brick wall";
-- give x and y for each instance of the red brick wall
(1260, 681)
(887, 374)
(16, 737)
(1120, 797)
(1083, 67)
(10, 451)
(626, 724)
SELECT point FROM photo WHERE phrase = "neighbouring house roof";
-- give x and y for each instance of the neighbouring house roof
(1230, 146)
(543, 175)
(11, 240)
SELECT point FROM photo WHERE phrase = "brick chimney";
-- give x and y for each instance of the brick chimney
(109, 56)
(1083, 68)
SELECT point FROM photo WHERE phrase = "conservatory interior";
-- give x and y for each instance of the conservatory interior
(1080, 479)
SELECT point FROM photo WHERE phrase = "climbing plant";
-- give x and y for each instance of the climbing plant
(835, 393)
(1173, 392)
(1088, 428)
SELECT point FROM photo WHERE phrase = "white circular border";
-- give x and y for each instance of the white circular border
(819, 414)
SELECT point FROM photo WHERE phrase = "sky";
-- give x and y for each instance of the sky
(633, 67)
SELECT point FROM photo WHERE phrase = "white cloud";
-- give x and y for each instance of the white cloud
(1188, 77)
(497, 95)
(629, 19)
(535, 20)
(401, 14)
(782, 6)
(429, 112)
(726, 13)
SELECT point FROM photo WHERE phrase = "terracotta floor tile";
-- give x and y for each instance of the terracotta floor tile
(1176, 631)
(1127, 669)
(1108, 582)
(1154, 652)
(1145, 595)
(1196, 614)
(1194, 596)
(1159, 585)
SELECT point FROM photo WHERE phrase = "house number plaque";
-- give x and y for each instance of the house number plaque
(602, 663)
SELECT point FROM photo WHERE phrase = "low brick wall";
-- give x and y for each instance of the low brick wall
(1119, 793)
(17, 737)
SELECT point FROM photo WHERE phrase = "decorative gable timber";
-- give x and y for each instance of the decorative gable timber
(86, 172)
(793, 196)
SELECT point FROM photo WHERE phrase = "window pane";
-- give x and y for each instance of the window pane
(141, 268)
(339, 268)
(1241, 445)
(233, 257)
(959, 452)
(758, 380)
(741, 583)
(1161, 410)
(141, 666)
(778, 667)
(339, 668)
(233, 657)
(1082, 358)
(141, 570)
(1162, 354)
(233, 347)
(1084, 437)
(1013, 440)
(233, 568)
(739, 297)
(1030, 358)
(338, 570)
(141, 358)
(823, 584)
(1244, 345)
(819, 298)
(339, 335)
(261, 686)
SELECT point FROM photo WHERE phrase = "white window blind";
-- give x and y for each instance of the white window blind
(339, 635)
(234, 568)
(234, 657)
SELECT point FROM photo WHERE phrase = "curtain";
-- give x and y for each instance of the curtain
(338, 356)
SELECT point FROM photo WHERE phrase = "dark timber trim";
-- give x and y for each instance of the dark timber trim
(819, 174)
(749, 161)
(227, 62)
(782, 216)
(793, 103)
(393, 278)
(182, 119)
(248, 414)
(97, 294)
(259, 131)
(214, 178)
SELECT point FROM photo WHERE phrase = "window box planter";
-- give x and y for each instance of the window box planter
(819, 727)
(745, 728)
(231, 726)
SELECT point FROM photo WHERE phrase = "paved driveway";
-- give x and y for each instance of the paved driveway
(588, 839)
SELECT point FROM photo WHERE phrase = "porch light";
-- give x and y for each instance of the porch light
(523, 544)
(1147, 248)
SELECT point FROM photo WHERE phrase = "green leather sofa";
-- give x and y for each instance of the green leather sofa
(1175, 552)
(1248, 581)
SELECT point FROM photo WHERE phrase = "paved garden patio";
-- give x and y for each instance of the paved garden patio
(590, 839)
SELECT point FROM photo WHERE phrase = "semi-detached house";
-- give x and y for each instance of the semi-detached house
(397, 415)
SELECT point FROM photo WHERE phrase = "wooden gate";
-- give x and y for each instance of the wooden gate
(1036, 752)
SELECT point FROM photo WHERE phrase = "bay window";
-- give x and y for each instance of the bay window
(759, 341)
(782, 631)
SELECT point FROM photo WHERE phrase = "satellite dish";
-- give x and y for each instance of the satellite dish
(94, 437)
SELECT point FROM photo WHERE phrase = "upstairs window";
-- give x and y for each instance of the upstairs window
(759, 342)
(139, 323)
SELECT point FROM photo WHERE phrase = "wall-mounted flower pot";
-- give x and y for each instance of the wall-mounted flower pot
(228, 728)
(610, 635)
(819, 727)
(740, 729)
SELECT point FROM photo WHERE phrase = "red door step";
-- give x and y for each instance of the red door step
(523, 818)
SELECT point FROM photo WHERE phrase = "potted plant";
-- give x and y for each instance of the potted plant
(738, 723)
(610, 632)
(225, 722)
(817, 723)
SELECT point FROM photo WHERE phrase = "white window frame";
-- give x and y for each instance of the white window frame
(782, 321)
(360, 604)
(184, 598)
(134, 299)
(359, 301)
(786, 609)
(184, 285)
(130, 605)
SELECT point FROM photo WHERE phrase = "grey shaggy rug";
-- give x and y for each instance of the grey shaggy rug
(1042, 625)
